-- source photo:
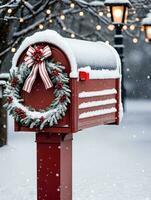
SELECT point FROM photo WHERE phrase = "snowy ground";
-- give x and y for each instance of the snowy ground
(110, 163)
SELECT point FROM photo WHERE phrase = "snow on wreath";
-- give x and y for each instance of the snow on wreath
(23, 77)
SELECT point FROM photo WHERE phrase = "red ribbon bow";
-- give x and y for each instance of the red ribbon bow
(35, 58)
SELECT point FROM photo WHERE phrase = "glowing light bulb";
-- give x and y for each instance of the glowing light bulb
(142, 28)
(13, 50)
(108, 15)
(132, 27)
(72, 5)
(125, 27)
(41, 26)
(81, 13)
(21, 20)
(9, 10)
(50, 21)
(64, 28)
(98, 27)
(111, 27)
(146, 40)
(62, 17)
(100, 13)
(72, 35)
(48, 11)
(137, 19)
(135, 40)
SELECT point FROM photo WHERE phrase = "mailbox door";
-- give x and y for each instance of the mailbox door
(40, 98)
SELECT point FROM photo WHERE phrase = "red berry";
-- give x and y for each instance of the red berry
(14, 82)
(63, 98)
(42, 119)
(59, 85)
(9, 99)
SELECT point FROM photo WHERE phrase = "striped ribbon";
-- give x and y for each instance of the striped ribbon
(35, 58)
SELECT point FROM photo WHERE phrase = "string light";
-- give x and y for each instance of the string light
(64, 28)
(81, 13)
(100, 13)
(48, 11)
(135, 40)
(72, 5)
(146, 40)
(125, 27)
(21, 20)
(98, 27)
(108, 15)
(9, 10)
(72, 35)
(137, 19)
(108, 8)
(111, 27)
(41, 26)
(142, 28)
(62, 17)
(132, 27)
(13, 50)
(50, 20)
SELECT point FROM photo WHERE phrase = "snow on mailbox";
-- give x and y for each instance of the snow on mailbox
(60, 84)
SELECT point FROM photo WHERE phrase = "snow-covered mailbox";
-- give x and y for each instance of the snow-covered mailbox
(59, 86)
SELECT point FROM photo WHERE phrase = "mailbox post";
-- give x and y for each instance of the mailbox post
(49, 95)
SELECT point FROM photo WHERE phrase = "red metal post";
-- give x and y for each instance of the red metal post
(54, 166)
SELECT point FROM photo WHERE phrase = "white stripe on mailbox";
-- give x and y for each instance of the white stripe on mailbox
(97, 113)
(97, 103)
(97, 93)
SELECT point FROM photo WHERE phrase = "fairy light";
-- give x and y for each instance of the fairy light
(9, 10)
(108, 8)
(41, 26)
(125, 27)
(108, 15)
(50, 21)
(72, 35)
(13, 49)
(62, 17)
(98, 27)
(142, 28)
(137, 19)
(21, 20)
(48, 11)
(146, 40)
(81, 13)
(64, 28)
(72, 5)
(111, 27)
(100, 13)
(132, 27)
(135, 40)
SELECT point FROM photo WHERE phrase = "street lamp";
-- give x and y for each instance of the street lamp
(146, 23)
(119, 14)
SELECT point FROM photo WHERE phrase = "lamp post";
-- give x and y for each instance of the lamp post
(146, 23)
(119, 14)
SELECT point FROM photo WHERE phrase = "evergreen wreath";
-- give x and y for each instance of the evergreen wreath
(28, 116)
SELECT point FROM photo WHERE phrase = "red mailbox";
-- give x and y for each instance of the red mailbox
(57, 87)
